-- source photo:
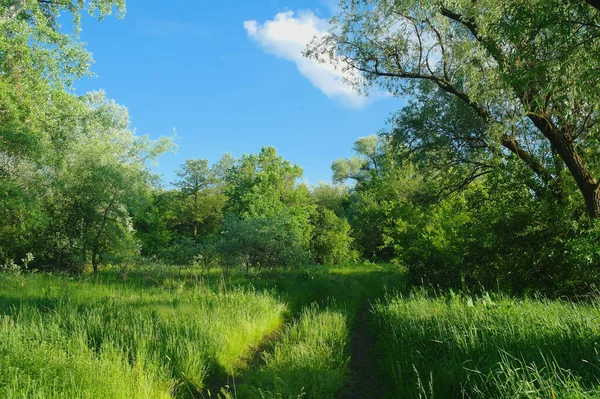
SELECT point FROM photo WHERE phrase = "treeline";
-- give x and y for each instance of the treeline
(248, 212)
(486, 178)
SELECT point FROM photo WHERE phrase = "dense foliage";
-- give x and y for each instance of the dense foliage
(238, 280)
(477, 181)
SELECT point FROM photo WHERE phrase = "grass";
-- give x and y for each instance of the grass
(165, 332)
(68, 338)
(457, 346)
(169, 333)
(309, 360)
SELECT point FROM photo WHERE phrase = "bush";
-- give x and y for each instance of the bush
(262, 242)
(183, 250)
(331, 242)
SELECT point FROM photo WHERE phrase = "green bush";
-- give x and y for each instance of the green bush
(262, 242)
(331, 241)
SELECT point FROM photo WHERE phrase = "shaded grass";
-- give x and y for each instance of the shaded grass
(451, 346)
(310, 360)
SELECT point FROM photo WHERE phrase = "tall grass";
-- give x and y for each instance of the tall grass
(308, 361)
(62, 338)
(452, 346)
(310, 358)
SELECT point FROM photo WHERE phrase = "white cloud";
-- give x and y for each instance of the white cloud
(287, 35)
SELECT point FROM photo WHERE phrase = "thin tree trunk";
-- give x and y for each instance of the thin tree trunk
(195, 213)
(95, 253)
(95, 261)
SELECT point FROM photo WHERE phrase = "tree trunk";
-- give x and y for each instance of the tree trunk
(562, 142)
(96, 250)
(196, 214)
(95, 262)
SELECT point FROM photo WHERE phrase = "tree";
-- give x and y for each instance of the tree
(442, 136)
(527, 69)
(331, 241)
(262, 242)
(332, 197)
(38, 62)
(102, 180)
(195, 176)
(32, 46)
(265, 185)
(265, 201)
(383, 197)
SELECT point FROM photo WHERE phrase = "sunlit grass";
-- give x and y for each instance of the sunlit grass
(308, 361)
(67, 338)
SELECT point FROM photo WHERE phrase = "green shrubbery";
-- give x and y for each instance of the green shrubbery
(331, 242)
(262, 243)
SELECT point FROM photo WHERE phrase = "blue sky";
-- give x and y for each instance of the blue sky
(228, 76)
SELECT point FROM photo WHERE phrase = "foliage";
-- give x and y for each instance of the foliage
(331, 242)
(527, 70)
(332, 197)
(72, 172)
(262, 242)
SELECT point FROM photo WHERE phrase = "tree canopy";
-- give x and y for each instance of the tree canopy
(528, 70)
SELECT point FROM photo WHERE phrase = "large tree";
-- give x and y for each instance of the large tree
(102, 180)
(528, 69)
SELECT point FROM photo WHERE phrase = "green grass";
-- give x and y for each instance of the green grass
(68, 338)
(310, 357)
(166, 333)
(455, 346)
(309, 360)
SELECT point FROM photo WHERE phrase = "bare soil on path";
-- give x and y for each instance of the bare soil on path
(364, 382)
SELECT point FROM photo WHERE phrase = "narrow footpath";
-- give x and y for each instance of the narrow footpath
(363, 381)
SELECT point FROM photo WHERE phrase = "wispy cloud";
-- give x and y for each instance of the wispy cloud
(288, 34)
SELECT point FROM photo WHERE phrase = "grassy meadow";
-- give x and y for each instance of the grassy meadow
(165, 333)
(447, 345)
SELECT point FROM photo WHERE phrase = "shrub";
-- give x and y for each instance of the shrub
(262, 242)
(331, 242)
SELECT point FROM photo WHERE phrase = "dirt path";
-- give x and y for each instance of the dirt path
(364, 383)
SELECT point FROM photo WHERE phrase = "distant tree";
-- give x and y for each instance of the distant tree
(265, 200)
(263, 184)
(262, 243)
(195, 176)
(331, 242)
(334, 197)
